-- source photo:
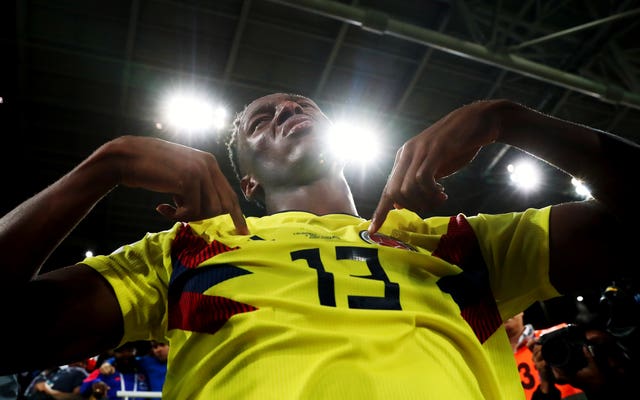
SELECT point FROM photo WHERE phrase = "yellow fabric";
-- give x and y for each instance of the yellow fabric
(294, 347)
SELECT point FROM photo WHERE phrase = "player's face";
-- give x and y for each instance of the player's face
(281, 139)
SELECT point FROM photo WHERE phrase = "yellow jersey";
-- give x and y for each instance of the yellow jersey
(313, 307)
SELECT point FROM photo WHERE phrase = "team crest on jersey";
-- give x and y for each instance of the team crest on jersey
(384, 240)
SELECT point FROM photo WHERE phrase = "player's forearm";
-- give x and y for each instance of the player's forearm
(599, 158)
(30, 232)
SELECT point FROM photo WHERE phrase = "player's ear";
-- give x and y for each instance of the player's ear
(250, 187)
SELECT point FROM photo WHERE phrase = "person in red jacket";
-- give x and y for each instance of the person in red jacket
(533, 380)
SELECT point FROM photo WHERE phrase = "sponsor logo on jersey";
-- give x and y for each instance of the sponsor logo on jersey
(384, 240)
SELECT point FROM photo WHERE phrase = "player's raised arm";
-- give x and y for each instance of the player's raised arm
(599, 158)
(440, 150)
(193, 177)
(74, 305)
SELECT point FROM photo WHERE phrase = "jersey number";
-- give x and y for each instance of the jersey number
(326, 286)
(526, 377)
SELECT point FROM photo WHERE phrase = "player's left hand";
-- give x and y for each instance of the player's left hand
(437, 152)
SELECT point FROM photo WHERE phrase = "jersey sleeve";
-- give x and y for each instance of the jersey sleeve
(139, 275)
(515, 247)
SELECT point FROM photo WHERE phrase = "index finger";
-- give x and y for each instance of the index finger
(380, 214)
(238, 220)
(220, 187)
(386, 203)
(231, 204)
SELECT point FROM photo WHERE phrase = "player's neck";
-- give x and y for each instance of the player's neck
(324, 196)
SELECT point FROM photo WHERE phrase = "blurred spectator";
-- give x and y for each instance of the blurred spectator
(599, 353)
(90, 363)
(155, 364)
(533, 380)
(102, 357)
(9, 387)
(123, 373)
(57, 383)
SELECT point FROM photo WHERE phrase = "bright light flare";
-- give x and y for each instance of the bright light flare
(193, 113)
(353, 142)
(580, 188)
(524, 175)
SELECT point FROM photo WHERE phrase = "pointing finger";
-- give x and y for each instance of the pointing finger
(239, 221)
(385, 205)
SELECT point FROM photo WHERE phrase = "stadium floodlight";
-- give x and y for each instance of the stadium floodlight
(580, 188)
(192, 113)
(354, 142)
(524, 175)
